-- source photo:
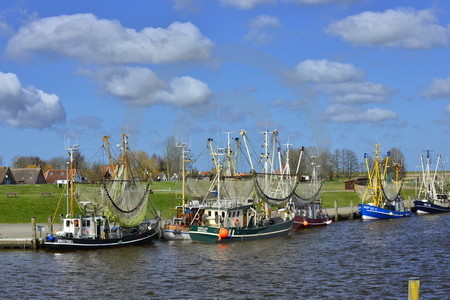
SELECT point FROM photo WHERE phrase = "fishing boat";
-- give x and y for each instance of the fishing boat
(433, 195)
(310, 215)
(380, 197)
(178, 228)
(113, 212)
(234, 208)
(307, 203)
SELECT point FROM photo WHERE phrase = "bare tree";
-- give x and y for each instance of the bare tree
(144, 165)
(172, 156)
(93, 174)
(396, 163)
(338, 163)
(27, 161)
(58, 163)
(350, 163)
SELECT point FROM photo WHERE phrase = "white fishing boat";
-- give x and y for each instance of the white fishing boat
(433, 195)
(113, 212)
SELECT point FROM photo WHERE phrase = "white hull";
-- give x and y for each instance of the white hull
(176, 235)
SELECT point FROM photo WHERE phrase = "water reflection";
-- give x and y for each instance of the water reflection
(346, 260)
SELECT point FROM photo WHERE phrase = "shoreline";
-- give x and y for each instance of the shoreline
(21, 230)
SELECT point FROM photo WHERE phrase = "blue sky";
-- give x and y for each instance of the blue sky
(335, 74)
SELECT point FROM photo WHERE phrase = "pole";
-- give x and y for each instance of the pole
(33, 229)
(351, 209)
(50, 225)
(336, 210)
(414, 288)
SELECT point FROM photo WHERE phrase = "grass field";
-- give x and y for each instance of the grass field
(29, 201)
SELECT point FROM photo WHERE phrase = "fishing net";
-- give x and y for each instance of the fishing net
(391, 190)
(90, 198)
(236, 188)
(127, 203)
(363, 192)
(199, 187)
(275, 187)
(308, 191)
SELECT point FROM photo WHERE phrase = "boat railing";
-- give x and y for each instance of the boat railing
(228, 203)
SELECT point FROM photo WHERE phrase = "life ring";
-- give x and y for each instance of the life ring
(236, 223)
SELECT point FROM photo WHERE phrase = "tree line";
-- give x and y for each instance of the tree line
(337, 165)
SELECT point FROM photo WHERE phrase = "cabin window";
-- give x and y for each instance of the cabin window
(67, 223)
(209, 213)
(76, 223)
(234, 214)
(223, 214)
(229, 214)
(216, 213)
(238, 214)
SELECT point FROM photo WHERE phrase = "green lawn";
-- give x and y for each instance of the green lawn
(166, 195)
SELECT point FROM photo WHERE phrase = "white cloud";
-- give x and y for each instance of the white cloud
(357, 92)
(439, 88)
(352, 114)
(108, 41)
(245, 4)
(402, 27)
(265, 21)
(27, 107)
(316, 2)
(186, 5)
(324, 71)
(5, 29)
(250, 4)
(142, 87)
(260, 29)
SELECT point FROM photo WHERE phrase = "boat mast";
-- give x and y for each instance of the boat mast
(124, 157)
(299, 160)
(72, 150)
(243, 133)
(217, 166)
(375, 177)
(108, 150)
(184, 160)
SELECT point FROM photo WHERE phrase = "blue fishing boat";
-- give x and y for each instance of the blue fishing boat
(380, 197)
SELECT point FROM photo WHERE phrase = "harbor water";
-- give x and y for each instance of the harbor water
(346, 260)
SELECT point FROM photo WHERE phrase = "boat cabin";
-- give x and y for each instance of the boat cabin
(87, 227)
(229, 217)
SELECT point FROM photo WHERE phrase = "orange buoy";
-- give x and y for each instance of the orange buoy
(305, 223)
(223, 232)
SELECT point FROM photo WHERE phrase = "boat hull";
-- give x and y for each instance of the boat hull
(209, 234)
(176, 233)
(371, 212)
(426, 207)
(305, 222)
(137, 237)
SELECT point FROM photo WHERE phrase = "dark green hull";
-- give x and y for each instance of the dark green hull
(210, 234)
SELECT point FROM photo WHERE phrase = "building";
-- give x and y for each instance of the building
(349, 184)
(28, 176)
(161, 177)
(55, 176)
(6, 176)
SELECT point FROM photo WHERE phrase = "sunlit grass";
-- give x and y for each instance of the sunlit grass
(166, 195)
